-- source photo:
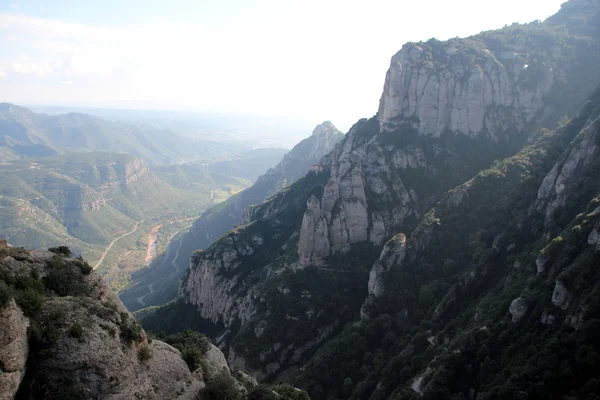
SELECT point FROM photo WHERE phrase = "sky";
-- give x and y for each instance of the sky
(312, 59)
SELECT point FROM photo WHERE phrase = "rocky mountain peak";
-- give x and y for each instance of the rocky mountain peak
(324, 128)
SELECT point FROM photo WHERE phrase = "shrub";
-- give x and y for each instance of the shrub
(144, 353)
(192, 345)
(30, 301)
(64, 279)
(61, 250)
(85, 268)
(222, 387)
(131, 332)
(76, 331)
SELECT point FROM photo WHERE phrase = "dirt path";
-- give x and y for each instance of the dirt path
(151, 249)
(115, 241)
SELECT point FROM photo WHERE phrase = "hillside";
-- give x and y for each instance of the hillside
(446, 248)
(25, 134)
(158, 284)
(86, 200)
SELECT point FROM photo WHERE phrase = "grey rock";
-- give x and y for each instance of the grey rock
(541, 263)
(392, 255)
(555, 188)
(518, 309)
(561, 296)
(458, 96)
(313, 244)
(14, 349)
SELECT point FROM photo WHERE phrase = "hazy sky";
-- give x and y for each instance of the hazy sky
(317, 59)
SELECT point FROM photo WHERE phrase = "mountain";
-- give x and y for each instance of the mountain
(446, 248)
(67, 336)
(25, 134)
(150, 288)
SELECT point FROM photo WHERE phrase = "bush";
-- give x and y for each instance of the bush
(64, 279)
(192, 345)
(222, 387)
(76, 331)
(144, 353)
(61, 250)
(30, 301)
(85, 268)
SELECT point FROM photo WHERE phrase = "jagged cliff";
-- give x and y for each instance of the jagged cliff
(422, 228)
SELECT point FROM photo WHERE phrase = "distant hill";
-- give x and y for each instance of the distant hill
(88, 200)
(241, 169)
(81, 199)
(25, 134)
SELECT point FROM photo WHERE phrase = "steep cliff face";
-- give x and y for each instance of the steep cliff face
(496, 83)
(559, 186)
(478, 93)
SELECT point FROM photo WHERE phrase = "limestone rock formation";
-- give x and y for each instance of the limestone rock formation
(555, 189)
(518, 309)
(313, 244)
(13, 349)
(561, 296)
(455, 96)
(212, 281)
(392, 255)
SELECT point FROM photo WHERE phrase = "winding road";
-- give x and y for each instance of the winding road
(115, 241)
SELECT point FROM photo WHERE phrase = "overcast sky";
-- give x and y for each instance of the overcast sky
(316, 59)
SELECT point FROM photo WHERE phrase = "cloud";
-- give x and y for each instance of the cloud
(2, 74)
(39, 69)
(13, 6)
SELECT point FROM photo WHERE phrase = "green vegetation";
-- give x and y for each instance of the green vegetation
(144, 353)
(222, 387)
(192, 345)
(76, 331)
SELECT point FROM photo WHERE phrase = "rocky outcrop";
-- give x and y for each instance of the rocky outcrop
(313, 244)
(447, 92)
(392, 255)
(594, 236)
(357, 204)
(13, 349)
(518, 309)
(561, 296)
(215, 287)
(556, 188)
